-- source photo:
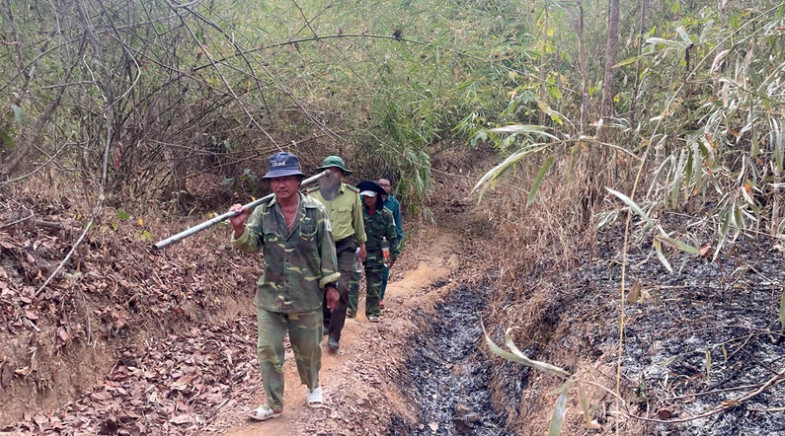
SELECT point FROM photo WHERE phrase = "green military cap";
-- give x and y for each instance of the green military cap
(334, 161)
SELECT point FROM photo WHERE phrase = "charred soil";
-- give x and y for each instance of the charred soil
(703, 350)
(447, 375)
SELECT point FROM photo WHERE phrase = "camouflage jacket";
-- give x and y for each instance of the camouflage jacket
(298, 265)
(377, 226)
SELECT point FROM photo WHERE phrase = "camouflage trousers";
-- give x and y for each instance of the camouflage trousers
(347, 283)
(305, 335)
(385, 277)
(373, 281)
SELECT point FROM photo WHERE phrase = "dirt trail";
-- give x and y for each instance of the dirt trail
(436, 261)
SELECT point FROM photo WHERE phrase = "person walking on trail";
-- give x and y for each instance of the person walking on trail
(379, 225)
(346, 217)
(391, 203)
(300, 271)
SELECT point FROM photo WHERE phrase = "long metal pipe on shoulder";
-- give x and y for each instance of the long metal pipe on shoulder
(213, 221)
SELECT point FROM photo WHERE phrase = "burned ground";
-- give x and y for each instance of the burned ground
(702, 338)
(446, 373)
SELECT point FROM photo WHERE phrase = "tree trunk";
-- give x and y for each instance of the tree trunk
(606, 107)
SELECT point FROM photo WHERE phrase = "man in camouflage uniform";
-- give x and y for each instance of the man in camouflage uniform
(300, 270)
(346, 218)
(379, 223)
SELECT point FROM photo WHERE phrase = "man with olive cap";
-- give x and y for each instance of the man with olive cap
(300, 271)
(346, 218)
(379, 224)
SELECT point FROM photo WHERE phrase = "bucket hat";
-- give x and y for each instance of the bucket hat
(283, 164)
(334, 161)
(370, 188)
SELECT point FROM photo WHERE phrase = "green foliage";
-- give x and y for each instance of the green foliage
(167, 93)
(143, 235)
(8, 142)
(164, 83)
(708, 125)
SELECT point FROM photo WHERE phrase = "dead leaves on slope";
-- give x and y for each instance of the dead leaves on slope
(176, 385)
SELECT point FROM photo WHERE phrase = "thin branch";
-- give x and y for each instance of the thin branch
(67, 256)
(391, 38)
(107, 113)
(281, 85)
(18, 221)
(223, 78)
(307, 23)
(726, 405)
(40, 167)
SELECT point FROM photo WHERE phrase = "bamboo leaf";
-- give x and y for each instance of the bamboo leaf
(725, 223)
(697, 166)
(584, 406)
(512, 160)
(677, 175)
(661, 257)
(778, 145)
(557, 420)
(708, 364)
(668, 42)
(687, 248)
(542, 366)
(718, 59)
(529, 129)
(684, 36)
(537, 180)
(19, 115)
(632, 60)
(519, 357)
(634, 206)
(555, 116)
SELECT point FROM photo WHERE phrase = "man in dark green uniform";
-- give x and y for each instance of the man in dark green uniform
(391, 203)
(346, 218)
(300, 270)
(379, 224)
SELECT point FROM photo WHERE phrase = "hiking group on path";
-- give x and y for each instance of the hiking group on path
(314, 250)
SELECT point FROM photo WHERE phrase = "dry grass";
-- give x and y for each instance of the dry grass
(546, 237)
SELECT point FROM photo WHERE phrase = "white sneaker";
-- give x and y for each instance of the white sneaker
(314, 398)
(263, 413)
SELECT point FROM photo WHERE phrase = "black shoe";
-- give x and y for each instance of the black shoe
(332, 344)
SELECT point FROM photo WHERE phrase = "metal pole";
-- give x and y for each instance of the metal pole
(211, 222)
